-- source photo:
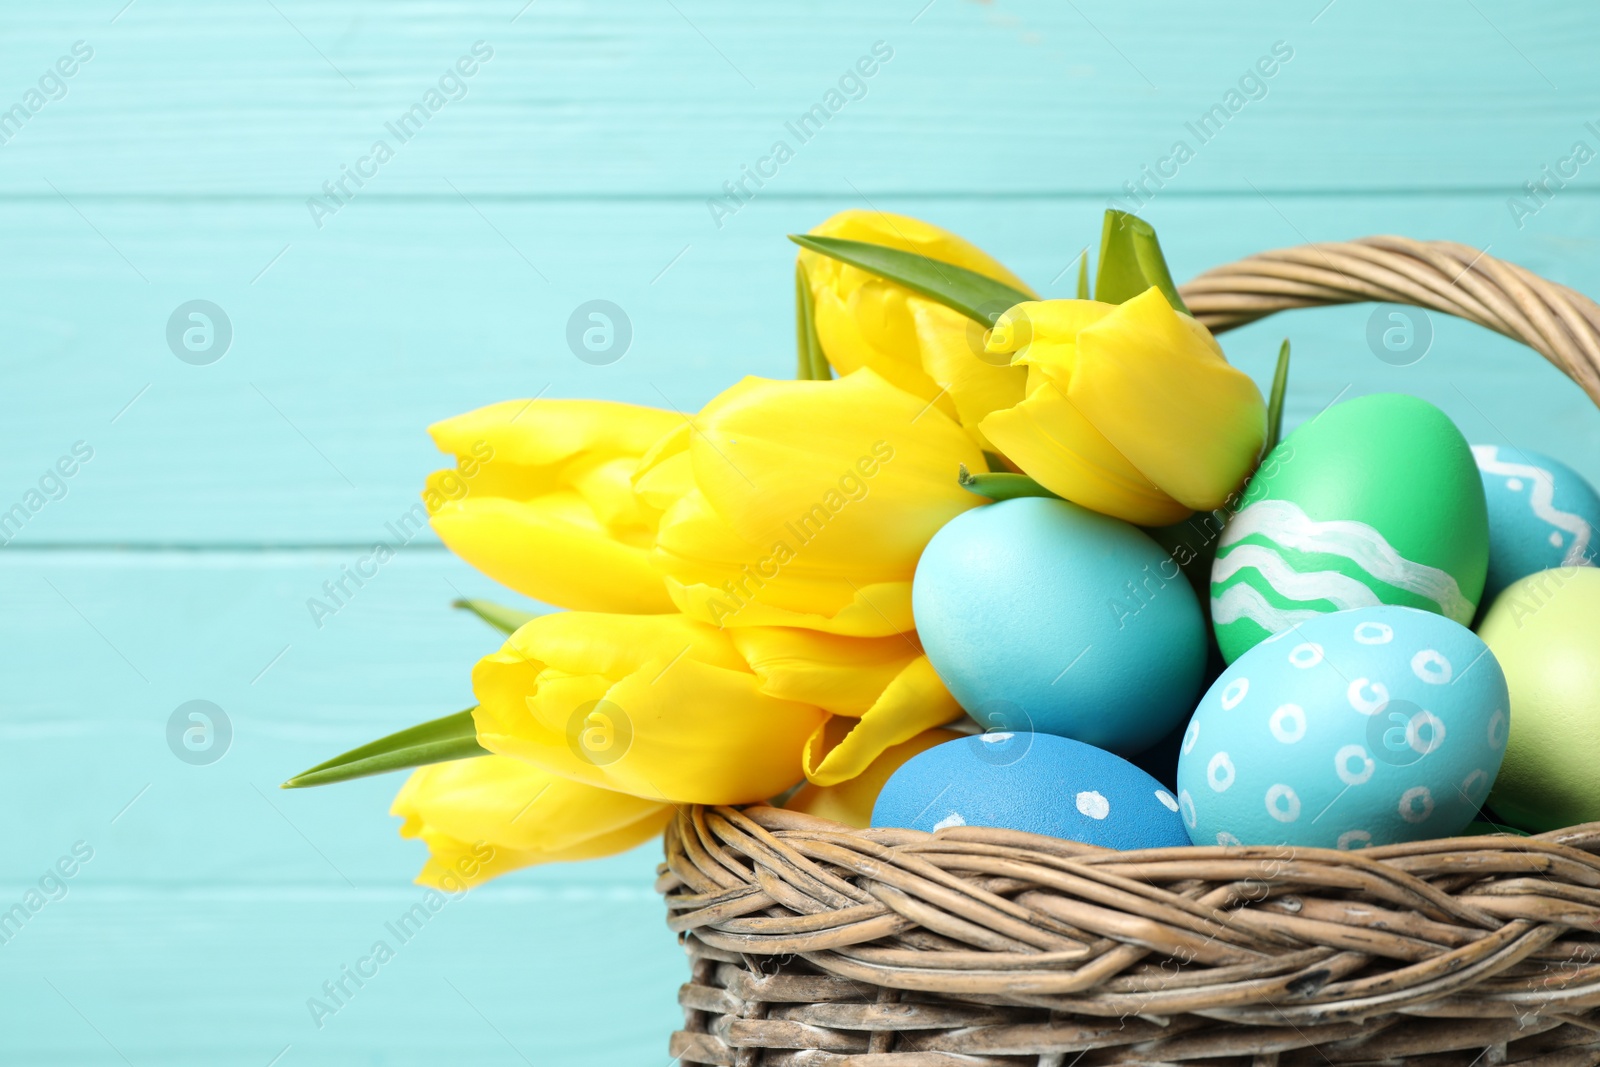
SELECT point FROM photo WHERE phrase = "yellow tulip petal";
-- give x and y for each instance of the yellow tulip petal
(850, 802)
(665, 473)
(540, 552)
(718, 578)
(875, 330)
(1050, 438)
(542, 499)
(852, 470)
(538, 433)
(910, 235)
(924, 348)
(1029, 333)
(955, 357)
(581, 643)
(811, 503)
(605, 484)
(869, 610)
(1155, 383)
(485, 816)
(685, 724)
(915, 701)
(510, 804)
(841, 675)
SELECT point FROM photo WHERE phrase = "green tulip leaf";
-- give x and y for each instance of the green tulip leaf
(1001, 485)
(978, 297)
(1131, 262)
(506, 620)
(1083, 275)
(1280, 385)
(813, 365)
(450, 738)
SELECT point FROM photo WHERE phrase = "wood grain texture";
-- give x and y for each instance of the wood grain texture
(216, 905)
(577, 165)
(650, 99)
(311, 428)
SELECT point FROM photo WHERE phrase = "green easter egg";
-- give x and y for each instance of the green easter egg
(1375, 501)
(1545, 631)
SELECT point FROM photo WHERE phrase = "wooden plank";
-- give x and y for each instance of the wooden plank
(104, 646)
(215, 905)
(1018, 97)
(311, 428)
(170, 975)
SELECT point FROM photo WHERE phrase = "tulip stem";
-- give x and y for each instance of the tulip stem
(813, 364)
(506, 620)
(997, 485)
(1280, 385)
(1083, 274)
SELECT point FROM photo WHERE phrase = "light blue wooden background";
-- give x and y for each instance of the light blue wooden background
(577, 166)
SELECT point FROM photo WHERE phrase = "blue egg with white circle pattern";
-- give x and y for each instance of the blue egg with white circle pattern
(1542, 515)
(1352, 729)
(1039, 783)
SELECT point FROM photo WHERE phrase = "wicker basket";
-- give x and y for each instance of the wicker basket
(815, 944)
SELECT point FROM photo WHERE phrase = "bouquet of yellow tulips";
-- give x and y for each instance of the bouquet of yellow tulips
(737, 583)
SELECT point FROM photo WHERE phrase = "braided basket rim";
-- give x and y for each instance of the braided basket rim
(814, 943)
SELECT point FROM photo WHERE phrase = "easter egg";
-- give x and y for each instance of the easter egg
(1040, 615)
(1039, 783)
(1375, 501)
(1545, 631)
(1357, 728)
(1542, 514)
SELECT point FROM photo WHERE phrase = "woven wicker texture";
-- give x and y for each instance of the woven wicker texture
(814, 944)
(1561, 325)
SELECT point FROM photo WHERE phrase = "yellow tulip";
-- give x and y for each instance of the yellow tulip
(1131, 409)
(485, 816)
(850, 802)
(923, 347)
(879, 692)
(805, 503)
(541, 500)
(656, 706)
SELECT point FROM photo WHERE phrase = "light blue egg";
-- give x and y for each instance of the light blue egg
(1542, 514)
(1039, 783)
(1040, 615)
(1357, 728)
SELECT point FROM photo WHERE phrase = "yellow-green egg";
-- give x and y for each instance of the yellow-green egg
(1545, 631)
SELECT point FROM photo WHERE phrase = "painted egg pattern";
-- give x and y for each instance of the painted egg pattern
(1038, 783)
(1357, 728)
(1375, 501)
(1542, 515)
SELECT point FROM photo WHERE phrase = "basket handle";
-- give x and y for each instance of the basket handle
(1560, 324)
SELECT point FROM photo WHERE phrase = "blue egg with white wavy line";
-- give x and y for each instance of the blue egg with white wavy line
(1542, 515)
(1040, 615)
(1356, 728)
(1038, 783)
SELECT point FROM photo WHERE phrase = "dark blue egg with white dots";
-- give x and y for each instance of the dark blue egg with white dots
(1542, 515)
(1039, 783)
(1357, 728)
